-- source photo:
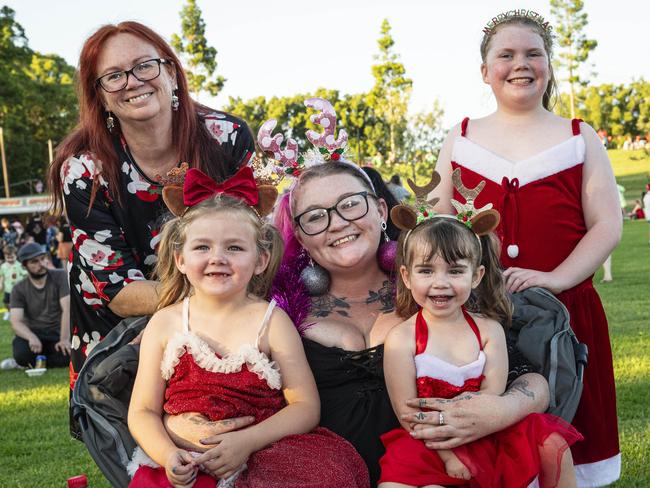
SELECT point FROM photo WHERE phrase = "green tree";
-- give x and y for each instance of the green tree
(199, 58)
(570, 22)
(620, 110)
(37, 102)
(388, 99)
(423, 140)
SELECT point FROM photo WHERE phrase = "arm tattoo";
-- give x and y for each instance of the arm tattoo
(194, 418)
(520, 386)
(466, 396)
(385, 295)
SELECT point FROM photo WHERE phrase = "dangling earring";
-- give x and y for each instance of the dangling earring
(383, 230)
(387, 251)
(316, 279)
(110, 122)
(175, 102)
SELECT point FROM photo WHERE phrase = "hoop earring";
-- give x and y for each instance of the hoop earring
(175, 101)
(383, 230)
(316, 279)
(110, 122)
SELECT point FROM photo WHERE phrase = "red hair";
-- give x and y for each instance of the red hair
(190, 137)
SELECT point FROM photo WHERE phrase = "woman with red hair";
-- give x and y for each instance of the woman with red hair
(137, 122)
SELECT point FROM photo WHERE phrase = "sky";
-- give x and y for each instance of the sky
(284, 47)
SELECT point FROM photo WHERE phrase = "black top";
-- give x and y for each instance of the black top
(115, 244)
(354, 400)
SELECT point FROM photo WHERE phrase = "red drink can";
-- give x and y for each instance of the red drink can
(78, 481)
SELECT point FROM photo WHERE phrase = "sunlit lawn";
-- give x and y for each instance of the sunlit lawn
(36, 449)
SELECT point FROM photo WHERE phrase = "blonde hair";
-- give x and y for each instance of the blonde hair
(550, 94)
(174, 286)
(453, 241)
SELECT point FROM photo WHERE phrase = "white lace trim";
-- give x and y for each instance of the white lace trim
(139, 458)
(206, 358)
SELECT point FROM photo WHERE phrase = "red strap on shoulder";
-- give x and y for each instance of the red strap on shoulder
(463, 126)
(472, 324)
(575, 126)
(421, 333)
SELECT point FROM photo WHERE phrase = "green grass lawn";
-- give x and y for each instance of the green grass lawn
(37, 450)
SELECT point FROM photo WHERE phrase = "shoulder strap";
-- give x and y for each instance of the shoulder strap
(472, 324)
(421, 333)
(265, 321)
(463, 126)
(186, 314)
(575, 126)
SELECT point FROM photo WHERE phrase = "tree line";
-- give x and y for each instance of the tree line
(38, 101)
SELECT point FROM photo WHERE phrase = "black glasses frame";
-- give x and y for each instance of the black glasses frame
(334, 208)
(128, 72)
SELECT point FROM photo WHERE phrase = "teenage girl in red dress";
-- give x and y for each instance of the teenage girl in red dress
(552, 182)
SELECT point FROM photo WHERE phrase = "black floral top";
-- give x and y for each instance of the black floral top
(114, 245)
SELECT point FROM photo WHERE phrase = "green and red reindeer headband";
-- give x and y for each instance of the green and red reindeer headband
(481, 221)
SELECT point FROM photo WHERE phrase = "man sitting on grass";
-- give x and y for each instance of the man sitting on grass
(40, 312)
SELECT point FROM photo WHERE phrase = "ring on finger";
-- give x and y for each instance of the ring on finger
(441, 418)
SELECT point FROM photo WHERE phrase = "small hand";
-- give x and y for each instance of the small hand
(64, 346)
(35, 345)
(229, 454)
(181, 471)
(519, 279)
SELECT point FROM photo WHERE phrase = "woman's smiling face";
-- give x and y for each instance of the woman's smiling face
(343, 245)
(139, 100)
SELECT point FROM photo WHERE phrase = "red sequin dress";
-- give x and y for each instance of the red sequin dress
(246, 383)
(510, 458)
(542, 221)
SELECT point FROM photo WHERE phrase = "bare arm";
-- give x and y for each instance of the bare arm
(399, 370)
(63, 344)
(19, 325)
(136, 299)
(445, 190)
(145, 409)
(496, 356)
(471, 416)
(602, 213)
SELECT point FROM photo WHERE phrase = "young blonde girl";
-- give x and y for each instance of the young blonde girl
(221, 347)
(443, 350)
(552, 182)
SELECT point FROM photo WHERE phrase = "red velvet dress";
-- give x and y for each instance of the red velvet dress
(246, 383)
(542, 221)
(510, 458)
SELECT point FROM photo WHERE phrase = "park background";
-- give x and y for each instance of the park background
(399, 74)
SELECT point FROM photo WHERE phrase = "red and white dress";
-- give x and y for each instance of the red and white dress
(246, 383)
(510, 458)
(542, 221)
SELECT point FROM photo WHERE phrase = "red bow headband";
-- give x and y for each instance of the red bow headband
(198, 187)
(184, 188)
